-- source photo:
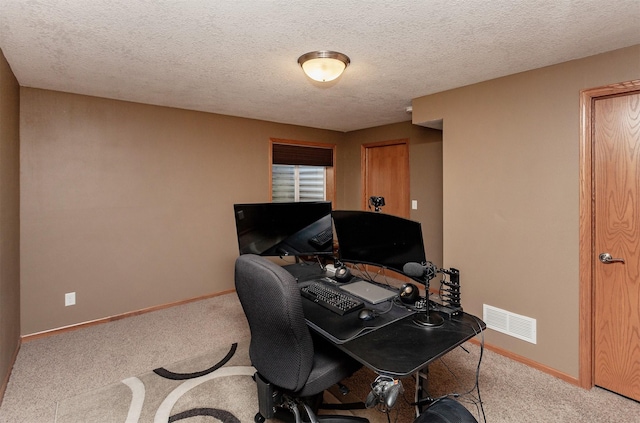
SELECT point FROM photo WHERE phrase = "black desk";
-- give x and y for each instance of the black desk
(403, 348)
(340, 329)
(391, 344)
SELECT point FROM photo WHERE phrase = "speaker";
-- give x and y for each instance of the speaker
(343, 274)
(409, 293)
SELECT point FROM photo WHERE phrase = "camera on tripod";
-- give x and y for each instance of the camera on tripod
(376, 202)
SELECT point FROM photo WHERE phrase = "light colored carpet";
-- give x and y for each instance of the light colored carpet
(53, 369)
(217, 384)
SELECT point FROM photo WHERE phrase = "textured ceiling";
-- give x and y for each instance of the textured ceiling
(240, 57)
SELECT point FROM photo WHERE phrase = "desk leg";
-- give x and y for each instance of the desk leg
(422, 390)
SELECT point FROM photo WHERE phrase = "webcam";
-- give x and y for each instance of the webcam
(376, 202)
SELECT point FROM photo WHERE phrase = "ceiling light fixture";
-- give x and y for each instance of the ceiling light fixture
(323, 66)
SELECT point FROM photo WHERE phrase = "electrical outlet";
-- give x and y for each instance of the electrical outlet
(414, 204)
(69, 299)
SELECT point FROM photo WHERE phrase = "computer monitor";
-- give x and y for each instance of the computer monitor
(379, 239)
(387, 241)
(284, 229)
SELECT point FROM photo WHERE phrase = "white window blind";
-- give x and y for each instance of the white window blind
(298, 183)
(283, 183)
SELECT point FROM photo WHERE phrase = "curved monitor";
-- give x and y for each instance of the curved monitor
(284, 229)
(379, 239)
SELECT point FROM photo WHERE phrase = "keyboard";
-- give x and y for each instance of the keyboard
(331, 298)
(322, 239)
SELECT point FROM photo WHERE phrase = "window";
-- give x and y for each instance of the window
(302, 171)
(298, 183)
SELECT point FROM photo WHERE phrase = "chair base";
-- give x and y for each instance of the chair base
(274, 403)
(288, 417)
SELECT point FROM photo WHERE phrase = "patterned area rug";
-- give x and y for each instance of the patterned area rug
(217, 386)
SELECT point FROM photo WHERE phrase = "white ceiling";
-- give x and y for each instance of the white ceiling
(239, 57)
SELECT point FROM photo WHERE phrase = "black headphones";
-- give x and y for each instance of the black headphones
(409, 293)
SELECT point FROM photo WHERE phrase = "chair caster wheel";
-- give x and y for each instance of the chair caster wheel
(259, 418)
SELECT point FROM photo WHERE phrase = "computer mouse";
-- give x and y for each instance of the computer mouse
(366, 314)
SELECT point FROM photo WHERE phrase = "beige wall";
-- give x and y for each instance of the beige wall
(510, 150)
(9, 219)
(425, 150)
(130, 205)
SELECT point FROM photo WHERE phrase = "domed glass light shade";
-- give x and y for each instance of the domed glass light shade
(323, 66)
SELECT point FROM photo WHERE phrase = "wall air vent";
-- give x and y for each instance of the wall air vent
(512, 324)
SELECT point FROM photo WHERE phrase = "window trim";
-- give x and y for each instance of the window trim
(330, 183)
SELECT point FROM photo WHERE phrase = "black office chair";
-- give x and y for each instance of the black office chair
(293, 369)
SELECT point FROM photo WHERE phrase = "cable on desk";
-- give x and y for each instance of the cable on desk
(479, 405)
(476, 401)
(366, 275)
(476, 387)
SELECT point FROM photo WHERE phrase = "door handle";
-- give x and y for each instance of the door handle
(606, 258)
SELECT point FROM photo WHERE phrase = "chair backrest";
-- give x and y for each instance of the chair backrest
(281, 347)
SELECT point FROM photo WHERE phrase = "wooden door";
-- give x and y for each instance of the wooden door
(385, 168)
(616, 325)
(385, 173)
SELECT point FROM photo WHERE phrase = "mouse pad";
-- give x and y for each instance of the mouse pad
(340, 329)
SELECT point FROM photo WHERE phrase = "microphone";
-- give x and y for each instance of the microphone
(418, 270)
(428, 272)
(414, 269)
